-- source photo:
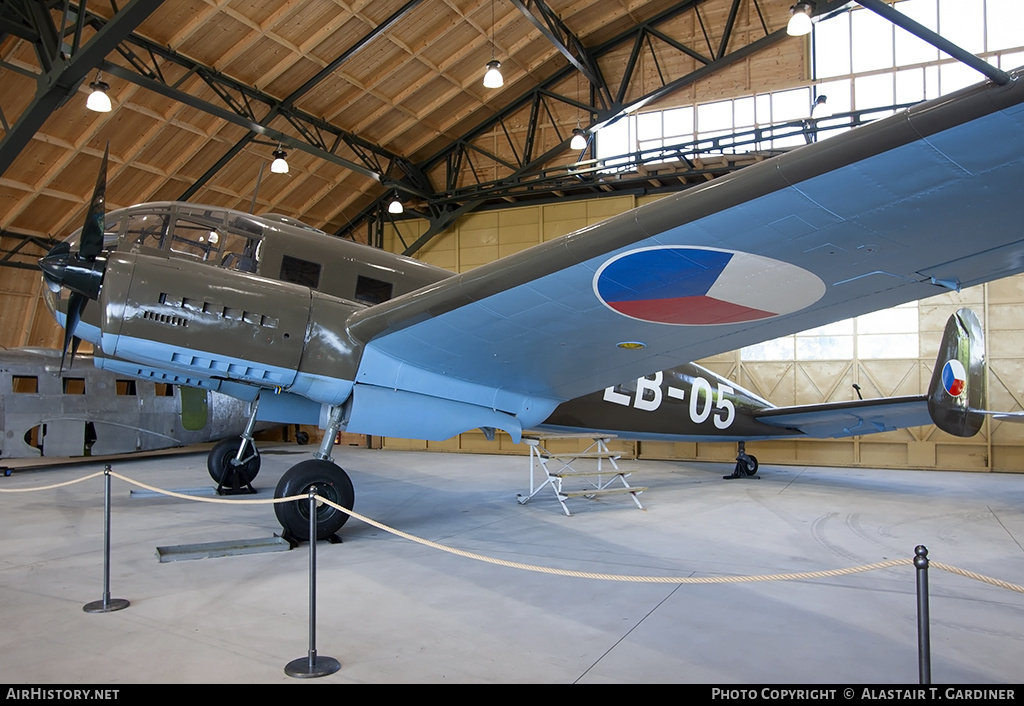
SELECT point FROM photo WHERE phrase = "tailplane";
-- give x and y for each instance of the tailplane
(957, 396)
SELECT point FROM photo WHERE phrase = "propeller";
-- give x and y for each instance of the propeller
(82, 271)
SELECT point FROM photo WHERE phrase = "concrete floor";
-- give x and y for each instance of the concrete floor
(394, 611)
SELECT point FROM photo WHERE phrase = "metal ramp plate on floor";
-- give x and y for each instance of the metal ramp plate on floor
(554, 469)
(208, 550)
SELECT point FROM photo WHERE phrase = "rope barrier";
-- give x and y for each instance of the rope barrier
(616, 577)
(221, 501)
(545, 569)
(51, 487)
(977, 577)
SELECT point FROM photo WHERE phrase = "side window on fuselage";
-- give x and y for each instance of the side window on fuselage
(298, 271)
(373, 291)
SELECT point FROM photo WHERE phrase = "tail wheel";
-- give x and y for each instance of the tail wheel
(751, 464)
(331, 482)
(222, 466)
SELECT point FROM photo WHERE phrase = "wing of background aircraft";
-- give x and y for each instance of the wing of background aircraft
(895, 211)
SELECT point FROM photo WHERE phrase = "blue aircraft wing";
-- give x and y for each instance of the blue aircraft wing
(891, 212)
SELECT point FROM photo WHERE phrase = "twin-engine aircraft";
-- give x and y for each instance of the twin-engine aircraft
(317, 330)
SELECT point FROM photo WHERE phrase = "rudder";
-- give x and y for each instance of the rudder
(957, 391)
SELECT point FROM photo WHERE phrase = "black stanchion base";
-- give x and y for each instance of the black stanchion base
(108, 606)
(321, 667)
(294, 543)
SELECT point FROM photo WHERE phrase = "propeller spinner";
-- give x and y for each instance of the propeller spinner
(82, 271)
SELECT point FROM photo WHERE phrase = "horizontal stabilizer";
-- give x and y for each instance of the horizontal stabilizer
(839, 419)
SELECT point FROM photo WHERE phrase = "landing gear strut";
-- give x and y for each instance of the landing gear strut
(234, 463)
(331, 482)
(746, 464)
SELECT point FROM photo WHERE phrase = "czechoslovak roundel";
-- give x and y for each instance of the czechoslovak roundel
(692, 286)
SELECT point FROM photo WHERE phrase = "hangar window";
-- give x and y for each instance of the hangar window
(888, 334)
(866, 67)
(372, 291)
(861, 60)
(24, 384)
(300, 271)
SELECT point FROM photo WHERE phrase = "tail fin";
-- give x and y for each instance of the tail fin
(957, 394)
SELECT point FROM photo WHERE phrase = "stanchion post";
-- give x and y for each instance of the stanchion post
(924, 649)
(106, 604)
(312, 665)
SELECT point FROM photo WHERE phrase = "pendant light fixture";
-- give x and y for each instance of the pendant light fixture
(99, 100)
(280, 163)
(493, 77)
(800, 19)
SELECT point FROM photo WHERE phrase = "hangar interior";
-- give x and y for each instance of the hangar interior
(383, 102)
(376, 102)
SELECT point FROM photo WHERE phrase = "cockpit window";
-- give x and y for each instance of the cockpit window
(147, 230)
(240, 253)
(198, 233)
(111, 230)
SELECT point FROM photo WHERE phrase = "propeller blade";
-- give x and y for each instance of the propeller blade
(91, 243)
(76, 305)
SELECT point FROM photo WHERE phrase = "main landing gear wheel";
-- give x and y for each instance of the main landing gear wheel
(224, 470)
(331, 482)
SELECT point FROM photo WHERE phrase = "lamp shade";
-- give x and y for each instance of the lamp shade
(280, 164)
(99, 100)
(799, 21)
(579, 139)
(493, 77)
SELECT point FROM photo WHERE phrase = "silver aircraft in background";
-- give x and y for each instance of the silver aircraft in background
(81, 410)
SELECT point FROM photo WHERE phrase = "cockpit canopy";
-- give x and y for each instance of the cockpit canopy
(271, 246)
(221, 237)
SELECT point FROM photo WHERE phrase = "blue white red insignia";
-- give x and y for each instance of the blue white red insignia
(693, 286)
(954, 377)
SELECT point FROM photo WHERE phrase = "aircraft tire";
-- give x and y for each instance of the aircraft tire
(751, 465)
(331, 482)
(218, 463)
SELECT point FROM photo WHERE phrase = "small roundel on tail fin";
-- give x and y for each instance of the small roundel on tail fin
(957, 395)
(954, 377)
